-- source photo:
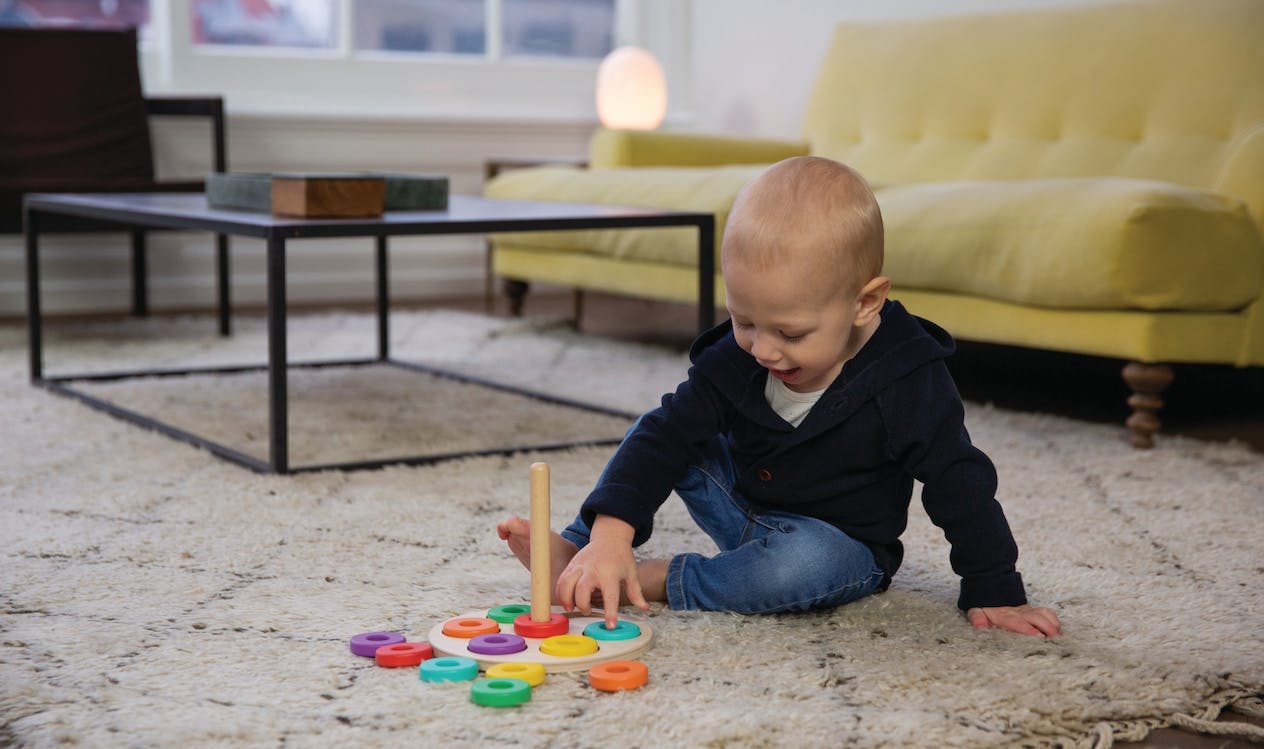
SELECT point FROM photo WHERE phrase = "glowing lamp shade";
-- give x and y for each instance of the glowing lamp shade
(631, 90)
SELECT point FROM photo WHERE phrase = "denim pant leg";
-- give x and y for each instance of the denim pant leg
(768, 562)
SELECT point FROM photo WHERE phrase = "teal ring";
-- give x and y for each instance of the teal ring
(623, 630)
(449, 669)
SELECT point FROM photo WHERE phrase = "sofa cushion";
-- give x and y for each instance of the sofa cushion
(1080, 243)
(685, 189)
(1084, 243)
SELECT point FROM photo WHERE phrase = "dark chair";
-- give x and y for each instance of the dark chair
(75, 120)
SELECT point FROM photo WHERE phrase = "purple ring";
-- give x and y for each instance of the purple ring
(497, 644)
(366, 643)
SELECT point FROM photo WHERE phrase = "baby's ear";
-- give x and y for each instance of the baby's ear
(870, 300)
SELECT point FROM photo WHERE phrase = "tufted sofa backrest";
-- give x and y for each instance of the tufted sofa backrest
(1168, 90)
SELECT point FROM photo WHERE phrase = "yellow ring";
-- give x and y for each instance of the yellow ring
(568, 646)
(532, 673)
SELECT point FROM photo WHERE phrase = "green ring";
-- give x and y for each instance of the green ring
(507, 613)
(500, 692)
(623, 630)
(450, 668)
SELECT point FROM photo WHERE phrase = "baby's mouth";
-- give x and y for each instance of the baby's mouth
(785, 375)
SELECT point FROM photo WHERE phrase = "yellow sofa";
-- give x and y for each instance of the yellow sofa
(1086, 179)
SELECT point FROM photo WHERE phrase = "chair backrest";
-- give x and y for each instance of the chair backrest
(74, 111)
(1169, 90)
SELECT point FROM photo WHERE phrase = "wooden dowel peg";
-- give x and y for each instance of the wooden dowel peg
(541, 596)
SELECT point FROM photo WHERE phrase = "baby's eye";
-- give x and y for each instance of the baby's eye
(793, 338)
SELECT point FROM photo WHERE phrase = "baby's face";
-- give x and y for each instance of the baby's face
(799, 331)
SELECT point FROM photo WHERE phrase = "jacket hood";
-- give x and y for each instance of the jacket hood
(901, 344)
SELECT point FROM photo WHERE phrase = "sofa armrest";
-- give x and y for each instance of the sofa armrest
(1242, 176)
(618, 148)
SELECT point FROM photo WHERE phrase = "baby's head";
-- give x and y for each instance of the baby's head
(801, 259)
(811, 215)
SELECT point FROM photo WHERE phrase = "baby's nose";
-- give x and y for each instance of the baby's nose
(763, 350)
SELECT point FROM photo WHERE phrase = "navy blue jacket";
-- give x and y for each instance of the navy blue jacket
(893, 415)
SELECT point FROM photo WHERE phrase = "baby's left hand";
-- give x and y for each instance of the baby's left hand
(1025, 619)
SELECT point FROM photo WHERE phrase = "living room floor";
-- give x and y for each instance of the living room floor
(1204, 402)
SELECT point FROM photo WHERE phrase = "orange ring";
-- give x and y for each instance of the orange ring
(469, 627)
(613, 676)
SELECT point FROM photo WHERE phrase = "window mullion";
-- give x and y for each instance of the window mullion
(495, 24)
(346, 29)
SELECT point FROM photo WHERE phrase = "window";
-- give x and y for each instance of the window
(499, 59)
(527, 28)
(59, 12)
(267, 23)
(560, 28)
(453, 27)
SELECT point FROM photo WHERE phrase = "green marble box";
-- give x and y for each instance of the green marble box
(246, 191)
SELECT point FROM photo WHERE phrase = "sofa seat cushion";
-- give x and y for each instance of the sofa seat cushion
(710, 189)
(1102, 243)
(1081, 243)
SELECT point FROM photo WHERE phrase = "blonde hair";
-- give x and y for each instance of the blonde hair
(811, 211)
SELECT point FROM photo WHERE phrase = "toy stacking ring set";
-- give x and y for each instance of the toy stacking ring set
(516, 644)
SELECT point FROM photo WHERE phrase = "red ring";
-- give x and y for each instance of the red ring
(613, 676)
(557, 624)
(403, 654)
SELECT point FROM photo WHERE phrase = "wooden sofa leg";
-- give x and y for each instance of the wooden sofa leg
(577, 307)
(517, 293)
(1148, 381)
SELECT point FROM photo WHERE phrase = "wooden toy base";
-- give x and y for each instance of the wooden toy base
(608, 649)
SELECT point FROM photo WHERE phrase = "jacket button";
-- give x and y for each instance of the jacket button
(764, 474)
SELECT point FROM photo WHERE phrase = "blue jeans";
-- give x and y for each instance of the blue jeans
(768, 562)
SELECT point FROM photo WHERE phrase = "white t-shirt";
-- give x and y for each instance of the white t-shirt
(790, 405)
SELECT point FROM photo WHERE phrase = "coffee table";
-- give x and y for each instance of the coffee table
(464, 215)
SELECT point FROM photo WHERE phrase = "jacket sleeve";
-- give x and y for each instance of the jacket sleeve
(656, 453)
(926, 434)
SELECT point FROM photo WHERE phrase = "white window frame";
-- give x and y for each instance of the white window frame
(344, 83)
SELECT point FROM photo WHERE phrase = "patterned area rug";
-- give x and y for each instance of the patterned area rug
(153, 595)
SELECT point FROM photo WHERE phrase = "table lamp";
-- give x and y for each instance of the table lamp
(631, 90)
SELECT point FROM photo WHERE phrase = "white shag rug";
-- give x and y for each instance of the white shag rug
(153, 595)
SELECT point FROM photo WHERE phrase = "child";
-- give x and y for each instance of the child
(797, 436)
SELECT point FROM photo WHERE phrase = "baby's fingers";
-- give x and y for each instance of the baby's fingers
(565, 590)
(610, 603)
(635, 595)
(1046, 621)
(1016, 623)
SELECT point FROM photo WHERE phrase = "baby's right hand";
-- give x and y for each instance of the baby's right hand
(605, 566)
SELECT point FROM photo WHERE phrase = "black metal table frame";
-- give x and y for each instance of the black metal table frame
(275, 233)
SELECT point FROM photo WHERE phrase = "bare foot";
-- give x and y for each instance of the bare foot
(516, 532)
(653, 576)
